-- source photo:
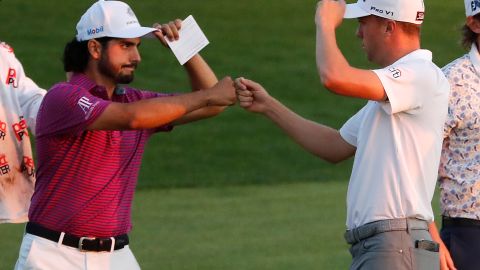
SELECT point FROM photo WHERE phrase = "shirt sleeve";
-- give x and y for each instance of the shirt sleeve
(458, 103)
(454, 117)
(350, 129)
(30, 97)
(26, 94)
(401, 83)
(68, 109)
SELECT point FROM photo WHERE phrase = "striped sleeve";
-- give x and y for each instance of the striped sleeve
(68, 109)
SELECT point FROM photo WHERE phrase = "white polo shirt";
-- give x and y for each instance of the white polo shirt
(398, 143)
(20, 98)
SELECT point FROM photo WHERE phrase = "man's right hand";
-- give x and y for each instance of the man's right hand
(251, 95)
(222, 93)
(330, 13)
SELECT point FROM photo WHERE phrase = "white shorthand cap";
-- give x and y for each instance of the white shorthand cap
(472, 7)
(110, 19)
(411, 11)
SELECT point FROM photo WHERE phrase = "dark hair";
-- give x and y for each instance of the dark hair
(76, 55)
(468, 36)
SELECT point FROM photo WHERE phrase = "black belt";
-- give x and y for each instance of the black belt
(82, 243)
(460, 222)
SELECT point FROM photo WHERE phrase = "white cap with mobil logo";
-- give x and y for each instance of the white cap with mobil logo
(411, 11)
(472, 7)
(110, 19)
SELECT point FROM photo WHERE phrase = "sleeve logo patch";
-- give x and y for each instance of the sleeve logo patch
(396, 73)
(85, 104)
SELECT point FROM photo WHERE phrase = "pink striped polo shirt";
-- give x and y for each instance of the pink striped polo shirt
(86, 179)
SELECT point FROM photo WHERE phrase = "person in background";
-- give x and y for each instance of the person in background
(459, 170)
(20, 99)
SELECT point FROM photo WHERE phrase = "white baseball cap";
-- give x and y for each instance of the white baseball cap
(472, 7)
(411, 11)
(110, 19)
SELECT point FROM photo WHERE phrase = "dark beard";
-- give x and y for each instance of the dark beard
(106, 69)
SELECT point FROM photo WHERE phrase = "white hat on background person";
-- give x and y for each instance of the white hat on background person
(472, 7)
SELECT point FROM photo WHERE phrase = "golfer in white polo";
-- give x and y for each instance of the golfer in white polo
(396, 137)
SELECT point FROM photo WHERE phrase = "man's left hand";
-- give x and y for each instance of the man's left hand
(168, 31)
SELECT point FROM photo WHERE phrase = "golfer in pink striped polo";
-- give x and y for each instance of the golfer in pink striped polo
(91, 133)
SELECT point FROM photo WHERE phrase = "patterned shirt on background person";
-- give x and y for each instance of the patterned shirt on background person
(459, 171)
(20, 99)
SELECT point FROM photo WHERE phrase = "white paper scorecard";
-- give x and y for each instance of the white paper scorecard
(192, 40)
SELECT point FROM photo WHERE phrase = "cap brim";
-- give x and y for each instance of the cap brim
(135, 32)
(354, 11)
(473, 13)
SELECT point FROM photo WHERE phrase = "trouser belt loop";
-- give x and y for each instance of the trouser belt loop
(356, 235)
(60, 239)
(112, 247)
(409, 227)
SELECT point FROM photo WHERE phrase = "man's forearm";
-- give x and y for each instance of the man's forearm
(200, 74)
(149, 113)
(320, 140)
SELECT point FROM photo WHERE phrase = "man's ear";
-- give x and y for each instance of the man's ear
(95, 49)
(390, 26)
(473, 24)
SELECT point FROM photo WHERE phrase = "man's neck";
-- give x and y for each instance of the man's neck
(399, 48)
(101, 80)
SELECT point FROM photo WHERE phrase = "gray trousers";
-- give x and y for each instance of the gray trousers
(394, 250)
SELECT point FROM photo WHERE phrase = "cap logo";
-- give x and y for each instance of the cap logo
(130, 12)
(475, 4)
(420, 16)
(381, 11)
(94, 31)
